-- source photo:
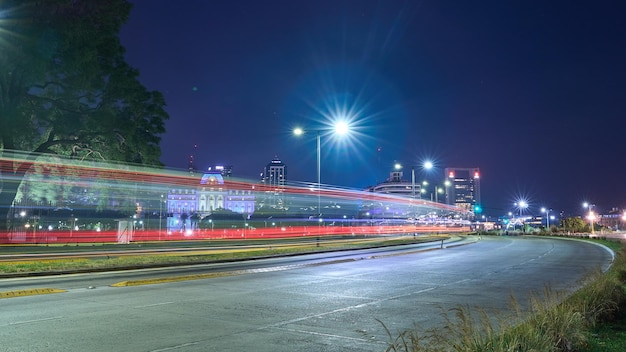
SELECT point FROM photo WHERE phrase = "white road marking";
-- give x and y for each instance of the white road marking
(175, 347)
(34, 321)
(154, 304)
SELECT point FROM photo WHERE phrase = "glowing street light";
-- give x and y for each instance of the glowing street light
(340, 128)
(427, 165)
(521, 205)
(591, 215)
(547, 211)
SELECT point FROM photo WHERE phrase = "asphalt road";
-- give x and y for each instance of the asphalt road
(299, 306)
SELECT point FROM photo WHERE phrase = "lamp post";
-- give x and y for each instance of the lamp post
(340, 128)
(446, 185)
(412, 181)
(522, 204)
(437, 191)
(591, 215)
(428, 165)
(547, 211)
(160, 215)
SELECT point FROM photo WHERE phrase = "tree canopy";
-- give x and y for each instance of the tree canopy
(65, 88)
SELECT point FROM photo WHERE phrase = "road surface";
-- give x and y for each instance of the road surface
(331, 306)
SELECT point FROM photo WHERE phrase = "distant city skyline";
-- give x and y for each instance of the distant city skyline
(531, 92)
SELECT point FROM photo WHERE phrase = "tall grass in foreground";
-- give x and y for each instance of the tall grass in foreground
(552, 322)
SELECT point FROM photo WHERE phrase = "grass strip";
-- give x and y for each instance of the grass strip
(128, 261)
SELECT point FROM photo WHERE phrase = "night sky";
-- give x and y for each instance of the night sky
(531, 92)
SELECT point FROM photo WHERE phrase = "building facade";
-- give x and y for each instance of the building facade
(397, 186)
(463, 189)
(185, 205)
(273, 179)
(274, 174)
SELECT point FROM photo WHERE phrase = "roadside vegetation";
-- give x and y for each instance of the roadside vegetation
(592, 319)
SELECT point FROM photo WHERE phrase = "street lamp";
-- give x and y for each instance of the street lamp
(427, 165)
(412, 181)
(340, 128)
(438, 190)
(160, 215)
(424, 185)
(446, 185)
(521, 205)
(547, 211)
(591, 215)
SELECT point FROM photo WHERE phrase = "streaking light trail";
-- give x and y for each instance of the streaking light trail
(61, 200)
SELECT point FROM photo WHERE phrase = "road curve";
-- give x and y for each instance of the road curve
(331, 307)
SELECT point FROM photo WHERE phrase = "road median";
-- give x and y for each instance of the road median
(30, 292)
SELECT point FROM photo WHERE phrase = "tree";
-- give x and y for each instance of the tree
(573, 224)
(66, 89)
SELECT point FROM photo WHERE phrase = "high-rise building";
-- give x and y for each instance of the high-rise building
(463, 187)
(274, 174)
(273, 178)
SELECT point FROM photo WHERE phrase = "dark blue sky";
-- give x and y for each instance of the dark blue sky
(531, 92)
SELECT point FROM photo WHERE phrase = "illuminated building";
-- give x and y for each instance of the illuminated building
(393, 186)
(464, 187)
(274, 174)
(224, 170)
(210, 195)
(273, 178)
(397, 186)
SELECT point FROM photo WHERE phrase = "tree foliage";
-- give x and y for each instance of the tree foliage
(65, 88)
(574, 224)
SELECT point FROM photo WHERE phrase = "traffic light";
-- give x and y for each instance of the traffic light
(478, 209)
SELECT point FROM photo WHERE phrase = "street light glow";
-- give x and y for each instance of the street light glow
(342, 128)
(548, 217)
(521, 205)
(428, 165)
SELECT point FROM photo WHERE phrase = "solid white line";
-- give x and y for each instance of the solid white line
(348, 308)
(175, 347)
(152, 305)
(327, 335)
(34, 321)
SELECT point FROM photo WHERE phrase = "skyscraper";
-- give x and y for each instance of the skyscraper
(274, 173)
(273, 178)
(463, 187)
